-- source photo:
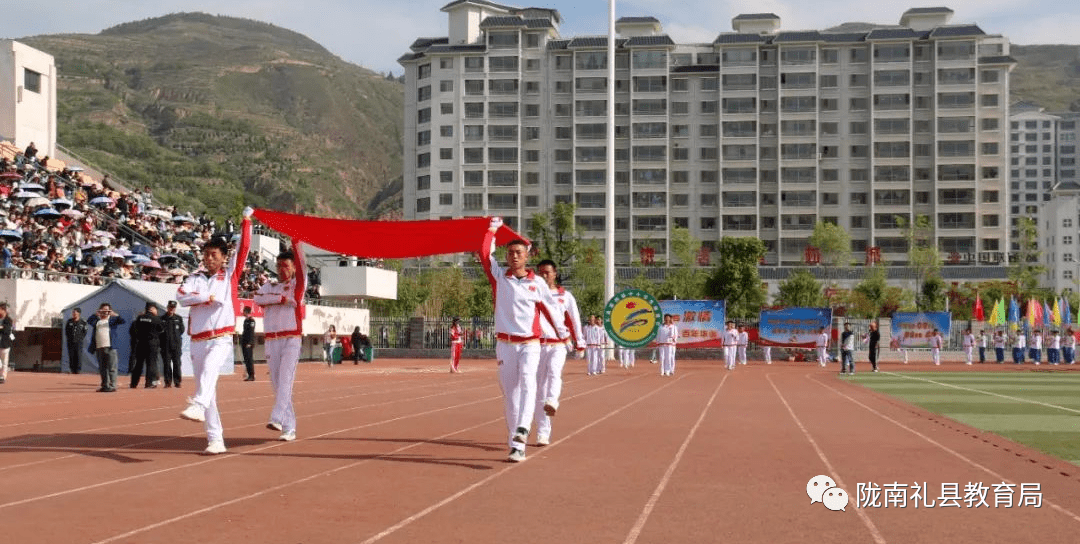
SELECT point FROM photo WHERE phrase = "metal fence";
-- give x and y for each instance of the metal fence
(396, 333)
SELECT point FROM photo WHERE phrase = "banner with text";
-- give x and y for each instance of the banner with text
(700, 322)
(914, 329)
(793, 327)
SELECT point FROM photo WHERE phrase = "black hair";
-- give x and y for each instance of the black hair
(104, 304)
(77, 309)
(217, 243)
(517, 242)
(548, 262)
(286, 255)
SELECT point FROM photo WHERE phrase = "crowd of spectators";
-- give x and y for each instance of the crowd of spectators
(59, 224)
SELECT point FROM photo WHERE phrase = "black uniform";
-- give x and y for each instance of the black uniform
(146, 334)
(172, 342)
(247, 346)
(74, 334)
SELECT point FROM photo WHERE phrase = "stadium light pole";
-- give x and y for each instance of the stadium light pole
(609, 239)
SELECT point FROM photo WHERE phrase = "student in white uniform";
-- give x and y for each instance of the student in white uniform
(1053, 349)
(1036, 347)
(744, 339)
(999, 347)
(822, 345)
(209, 293)
(553, 351)
(593, 343)
(283, 324)
(1019, 348)
(935, 347)
(766, 352)
(666, 340)
(627, 357)
(969, 346)
(983, 341)
(1068, 349)
(731, 342)
(521, 299)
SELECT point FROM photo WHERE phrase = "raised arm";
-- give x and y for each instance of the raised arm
(487, 252)
(235, 267)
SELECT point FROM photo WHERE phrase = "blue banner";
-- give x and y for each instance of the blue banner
(793, 327)
(700, 322)
(914, 329)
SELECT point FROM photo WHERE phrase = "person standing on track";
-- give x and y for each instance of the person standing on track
(731, 343)
(666, 340)
(594, 346)
(873, 338)
(522, 299)
(282, 302)
(74, 333)
(969, 346)
(1053, 349)
(172, 343)
(553, 351)
(822, 346)
(247, 344)
(743, 341)
(847, 350)
(935, 347)
(146, 332)
(627, 357)
(999, 346)
(104, 325)
(211, 295)
(457, 342)
(1019, 347)
(1036, 347)
(1068, 349)
(983, 341)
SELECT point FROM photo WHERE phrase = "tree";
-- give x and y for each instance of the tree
(556, 235)
(735, 278)
(923, 256)
(834, 243)
(801, 289)
(449, 293)
(588, 286)
(932, 295)
(683, 280)
(1025, 270)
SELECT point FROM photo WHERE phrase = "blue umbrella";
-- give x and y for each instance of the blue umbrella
(102, 201)
(62, 203)
(10, 235)
(137, 258)
(167, 257)
(141, 249)
(32, 187)
(25, 194)
(48, 213)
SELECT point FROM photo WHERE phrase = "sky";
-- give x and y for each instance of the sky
(374, 33)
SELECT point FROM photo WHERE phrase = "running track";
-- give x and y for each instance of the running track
(403, 452)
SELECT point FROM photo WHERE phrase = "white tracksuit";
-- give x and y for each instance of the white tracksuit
(283, 319)
(665, 341)
(744, 339)
(823, 348)
(553, 351)
(969, 347)
(595, 340)
(520, 305)
(211, 324)
(627, 357)
(731, 341)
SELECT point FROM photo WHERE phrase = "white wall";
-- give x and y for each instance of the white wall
(27, 116)
(358, 282)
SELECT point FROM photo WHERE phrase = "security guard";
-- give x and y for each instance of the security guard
(74, 333)
(146, 334)
(172, 341)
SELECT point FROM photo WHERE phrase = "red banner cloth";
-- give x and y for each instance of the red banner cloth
(387, 239)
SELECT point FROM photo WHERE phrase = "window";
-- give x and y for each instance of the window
(650, 84)
(446, 153)
(423, 160)
(474, 64)
(679, 84)
(736, 57)
(423, 204)
(991, 220)
(503, 40)
(532, 41)
(473, 179)
(988, 100)
(708, 200)
(446, 85)
(473, 155)
(648, 59)
(446, 199)
(446, 108)
(591, 60)
(474, 110)
(892, 78)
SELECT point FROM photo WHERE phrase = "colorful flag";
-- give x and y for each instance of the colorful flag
(995, 315)
(1014, 314)
(1066, 313)
(1056, 314)
(978, 311)
(1047, 314)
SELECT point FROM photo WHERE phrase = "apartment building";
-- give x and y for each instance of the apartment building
(1056, 187)
(762, 132)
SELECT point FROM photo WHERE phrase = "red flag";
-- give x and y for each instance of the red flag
(979, 309)
(387, 239)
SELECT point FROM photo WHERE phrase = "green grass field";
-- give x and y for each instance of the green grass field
(1039, 409)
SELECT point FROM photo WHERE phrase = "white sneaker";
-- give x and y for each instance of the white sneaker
(215, 447)
(287, 436)
(521, 435)
(516, 456)
(194, 412)
(542, 440)
(550, 407)
(274, 426)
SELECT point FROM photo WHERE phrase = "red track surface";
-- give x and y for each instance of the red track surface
(404, 452)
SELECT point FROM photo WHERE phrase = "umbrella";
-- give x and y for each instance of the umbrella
(150, 264)
(183, 219)
(48, 213)
(25, 194)
(11, 176)
(167, 258)
(72, 213)
(102, 201)
(178, 272)
(978, 312)
(11, 235)
(62, 203)
(180, 246)
(184, 236)
(142, 250)
(115, 254)
(75, 168)
(163, 214)
(103, 234)
(31, 187)
(37, 201)
(136, 258)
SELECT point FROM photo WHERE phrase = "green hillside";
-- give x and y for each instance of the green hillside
(214, 111)
(1048, 75)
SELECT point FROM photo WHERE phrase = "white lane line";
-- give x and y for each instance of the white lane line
(200, 433)
(409, 520)
(947, 449)
(635, 531)
(874, 532)
(318, 475)
(990, 393)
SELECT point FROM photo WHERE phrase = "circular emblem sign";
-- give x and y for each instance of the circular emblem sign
(632, 318)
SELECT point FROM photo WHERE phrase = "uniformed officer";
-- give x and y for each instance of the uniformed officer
(74, 333)
(172, 342)
(247, 344)
(146, 335)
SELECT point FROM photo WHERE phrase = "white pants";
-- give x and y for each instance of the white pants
(627, 357)
(4, 354)
(822, 356)
(742, 354)
(596, 359)
(282, 355)
(936, 353)
(207, 360)
(767, 351)
(968, 353)
(518, 365)
(548, 383)
(667, 359)
(729, 357)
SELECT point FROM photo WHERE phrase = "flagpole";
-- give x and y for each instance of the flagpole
(609, 206)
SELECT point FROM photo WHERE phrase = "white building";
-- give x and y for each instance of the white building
(1059, 214)
(27, 97)
(760, 133)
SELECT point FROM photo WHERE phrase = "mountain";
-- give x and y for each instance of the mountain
(215, 112)
(1048, 75)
